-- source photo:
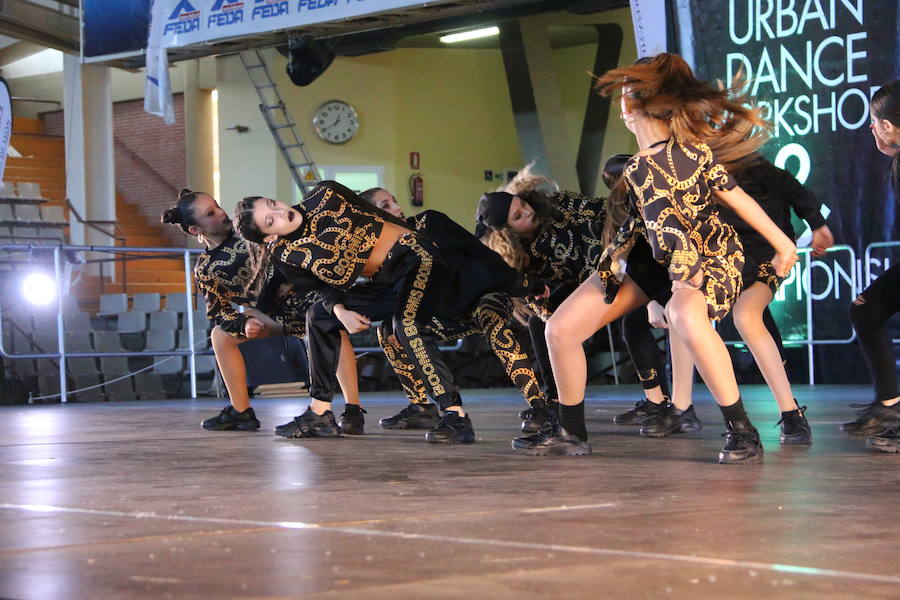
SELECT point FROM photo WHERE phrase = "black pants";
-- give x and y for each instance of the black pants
(399, 294)
(881, 300)
(490, 318)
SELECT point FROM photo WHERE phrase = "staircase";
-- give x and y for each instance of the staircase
(43, 162)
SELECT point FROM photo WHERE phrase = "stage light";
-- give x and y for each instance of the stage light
(39, 288)
(469, 35)
(307, 59)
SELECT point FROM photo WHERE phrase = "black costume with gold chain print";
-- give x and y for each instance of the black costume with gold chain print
(567, 248)
(491, 317)
(672, 205)
(223, 273)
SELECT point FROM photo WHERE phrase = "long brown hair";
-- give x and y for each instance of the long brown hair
(617, 203)
(664, 87)
(260, 256)
(885, 104)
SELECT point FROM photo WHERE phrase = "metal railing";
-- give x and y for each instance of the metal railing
(62, 355)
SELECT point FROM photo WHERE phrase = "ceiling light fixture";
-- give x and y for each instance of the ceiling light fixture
(470, 35)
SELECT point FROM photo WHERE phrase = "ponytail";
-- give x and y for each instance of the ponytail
(664, 87)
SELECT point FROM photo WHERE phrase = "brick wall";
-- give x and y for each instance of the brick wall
(160, 146)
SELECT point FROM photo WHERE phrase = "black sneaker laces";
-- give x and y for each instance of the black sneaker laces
(801, 411)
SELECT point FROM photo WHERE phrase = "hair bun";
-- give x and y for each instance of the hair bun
(172, 215)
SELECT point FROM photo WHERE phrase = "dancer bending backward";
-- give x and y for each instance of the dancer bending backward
(226, 273)
(776, 191)
(556, 236)
(678, 121)
(871, 310)
(338, 237)
(491, 319)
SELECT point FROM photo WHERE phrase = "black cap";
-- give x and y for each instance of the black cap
(493, 209)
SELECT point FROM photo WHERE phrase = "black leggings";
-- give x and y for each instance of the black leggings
(881, 300)
(536, 328)
(644, 351)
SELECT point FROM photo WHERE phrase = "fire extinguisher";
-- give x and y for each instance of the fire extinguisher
(416, 190)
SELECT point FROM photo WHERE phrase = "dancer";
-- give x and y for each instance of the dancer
(776, 191)
(337, 237)
(225, 273)
(678, 121)
(871, 310)
(490, 318)
(557, 236)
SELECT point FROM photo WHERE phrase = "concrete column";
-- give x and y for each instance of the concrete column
(198, 123)
(537, 101)
(90, 158)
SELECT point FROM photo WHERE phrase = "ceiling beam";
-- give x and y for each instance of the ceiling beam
(18, 51)
(40, 25)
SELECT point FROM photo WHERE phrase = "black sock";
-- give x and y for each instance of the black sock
(571, 418)
(736, 413)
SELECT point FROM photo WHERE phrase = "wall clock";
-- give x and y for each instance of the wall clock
(335, 122)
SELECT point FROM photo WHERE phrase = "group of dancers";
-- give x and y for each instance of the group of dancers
(697, 225)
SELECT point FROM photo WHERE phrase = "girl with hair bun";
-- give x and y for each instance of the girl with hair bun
(689, 133)
(229, 273)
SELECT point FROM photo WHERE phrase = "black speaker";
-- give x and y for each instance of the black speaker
(307, 59)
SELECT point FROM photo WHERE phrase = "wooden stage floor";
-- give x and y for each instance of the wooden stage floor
(134, 500)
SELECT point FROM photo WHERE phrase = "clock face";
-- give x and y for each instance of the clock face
(335, 122)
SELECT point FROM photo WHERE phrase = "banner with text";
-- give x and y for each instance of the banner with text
(193, 21)
(120, 26)
(813, 65)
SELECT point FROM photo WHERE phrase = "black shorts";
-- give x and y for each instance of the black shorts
(649, 275)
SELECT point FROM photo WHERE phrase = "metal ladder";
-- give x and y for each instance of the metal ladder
(279, 122)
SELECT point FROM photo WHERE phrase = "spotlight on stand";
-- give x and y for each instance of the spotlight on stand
(39, 289)
(307, 59)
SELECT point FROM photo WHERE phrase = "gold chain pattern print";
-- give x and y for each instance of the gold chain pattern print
(222, 274)
(491, 318)
(672, 196)
(335, 241)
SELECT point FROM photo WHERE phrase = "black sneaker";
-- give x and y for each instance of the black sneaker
(452, 429)
(885, 441)
(551, 441)
(352, 420)
(795, 428)
(414, 416)
(541, 413)
(309, 425)
(643, 410)
(232, 420)
(742, 445)
(872, 419)
(670, 421)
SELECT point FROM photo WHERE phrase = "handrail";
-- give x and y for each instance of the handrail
(191, 353)
(38, 100)
(147, 166)
(93, 224)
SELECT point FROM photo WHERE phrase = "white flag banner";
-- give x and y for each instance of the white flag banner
(6, 122)
(649, 19)
(157, 90)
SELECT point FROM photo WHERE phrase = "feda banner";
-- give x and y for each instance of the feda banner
(120, 26)
(6, 122)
